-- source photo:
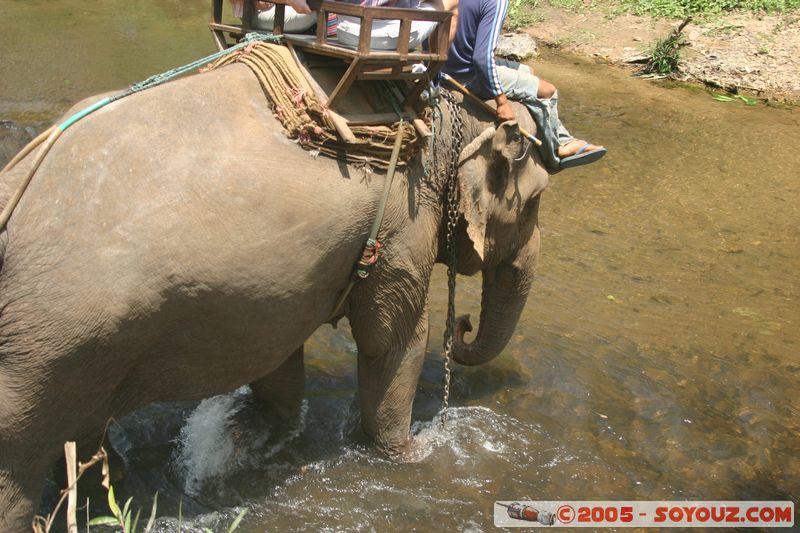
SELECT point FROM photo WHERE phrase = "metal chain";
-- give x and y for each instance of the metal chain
(432, 97)
(451, 207)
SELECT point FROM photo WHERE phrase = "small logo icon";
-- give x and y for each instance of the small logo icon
(528, 513)
(565, 514)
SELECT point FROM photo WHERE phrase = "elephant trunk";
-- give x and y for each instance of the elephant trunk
(505, 291)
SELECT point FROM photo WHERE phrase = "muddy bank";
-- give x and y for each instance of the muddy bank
(754, 54)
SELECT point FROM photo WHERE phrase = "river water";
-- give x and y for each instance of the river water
(657, 357)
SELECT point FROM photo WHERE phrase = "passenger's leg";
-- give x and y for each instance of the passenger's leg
(567, 144)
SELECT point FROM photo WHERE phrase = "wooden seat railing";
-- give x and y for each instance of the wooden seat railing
(363, 62)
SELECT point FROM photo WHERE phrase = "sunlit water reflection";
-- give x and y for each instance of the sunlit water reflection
(657, 357)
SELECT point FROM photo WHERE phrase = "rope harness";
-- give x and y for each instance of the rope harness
(305, 118)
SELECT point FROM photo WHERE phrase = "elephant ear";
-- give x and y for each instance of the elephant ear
(484, 168)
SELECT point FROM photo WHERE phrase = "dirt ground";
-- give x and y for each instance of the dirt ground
(753, 54)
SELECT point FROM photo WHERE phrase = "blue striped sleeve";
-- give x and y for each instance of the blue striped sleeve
(493, 13)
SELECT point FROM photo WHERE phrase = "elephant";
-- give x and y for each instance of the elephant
(176, 245)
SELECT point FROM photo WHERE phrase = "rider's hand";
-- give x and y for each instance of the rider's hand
(300, 6)
(504, 110)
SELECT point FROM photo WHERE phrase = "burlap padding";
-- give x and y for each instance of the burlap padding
(304, 117)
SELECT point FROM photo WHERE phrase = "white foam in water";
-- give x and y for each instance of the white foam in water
(207, 449)
(463, 425)
(467, 428)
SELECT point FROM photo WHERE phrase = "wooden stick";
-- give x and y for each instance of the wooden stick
(418, 123)
(487, 107)
(72, 501)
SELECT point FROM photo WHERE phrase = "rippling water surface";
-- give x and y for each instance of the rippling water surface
(657, 357)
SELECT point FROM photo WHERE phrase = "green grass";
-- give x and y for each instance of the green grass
(684, 8)
(573, 5)
(523, 13)
(520, 14)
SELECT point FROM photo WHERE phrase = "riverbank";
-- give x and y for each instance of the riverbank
(754, 54)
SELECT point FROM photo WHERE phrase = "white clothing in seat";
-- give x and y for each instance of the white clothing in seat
(384, 32)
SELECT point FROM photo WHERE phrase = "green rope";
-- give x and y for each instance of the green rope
(85, 111)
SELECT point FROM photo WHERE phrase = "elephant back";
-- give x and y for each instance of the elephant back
(310, 122)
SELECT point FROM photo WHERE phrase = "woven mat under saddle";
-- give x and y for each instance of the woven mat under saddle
(304, 117)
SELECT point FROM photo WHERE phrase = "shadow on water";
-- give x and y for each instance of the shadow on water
(657, 357)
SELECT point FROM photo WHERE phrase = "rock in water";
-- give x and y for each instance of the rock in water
(13, 138)
(516, 47)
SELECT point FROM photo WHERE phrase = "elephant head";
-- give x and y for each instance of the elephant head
(500, 179)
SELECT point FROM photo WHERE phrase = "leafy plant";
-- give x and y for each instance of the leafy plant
(122, 517)
(665, 54)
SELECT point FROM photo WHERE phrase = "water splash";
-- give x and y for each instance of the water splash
(469, 432)
(223, 436)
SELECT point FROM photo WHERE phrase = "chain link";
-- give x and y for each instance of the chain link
(451, 207)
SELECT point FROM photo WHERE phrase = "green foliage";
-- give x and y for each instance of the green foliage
(565, 4)
(726, 98)
(237, 521)
(124, 517)
(520, 13)
(103, 521)
(151, 521)
(665, 54)
(683, 8)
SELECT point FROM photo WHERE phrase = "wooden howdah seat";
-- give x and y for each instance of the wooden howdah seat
(333, 69)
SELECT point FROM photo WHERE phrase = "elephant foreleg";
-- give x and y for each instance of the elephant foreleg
(387, 383)
(281, 392)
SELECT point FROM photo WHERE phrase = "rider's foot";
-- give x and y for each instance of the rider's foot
(572, 147)
(576, 152)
